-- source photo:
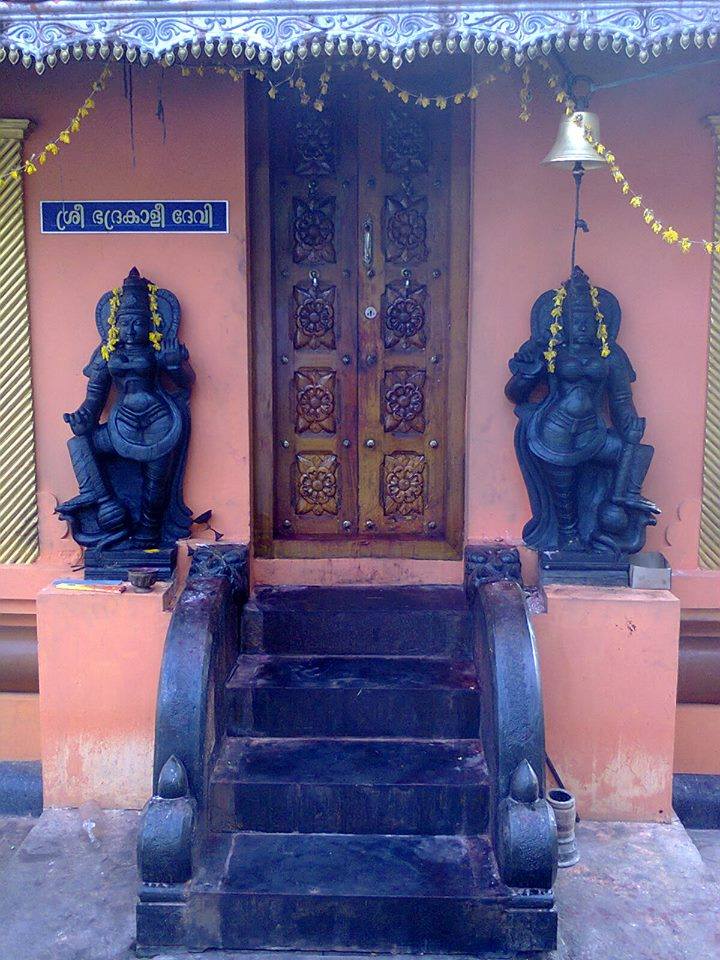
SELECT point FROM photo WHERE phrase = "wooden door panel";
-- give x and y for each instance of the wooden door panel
(360, 264)
(315, 380)
(402, 383)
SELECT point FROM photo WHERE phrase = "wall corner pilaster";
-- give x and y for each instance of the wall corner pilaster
(19, 539)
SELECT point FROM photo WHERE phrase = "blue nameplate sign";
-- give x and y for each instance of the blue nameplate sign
(134, 216)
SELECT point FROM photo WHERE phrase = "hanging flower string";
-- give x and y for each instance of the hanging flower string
(668, 233)
(294, 80)
(601, 330)
(155, 336)
(52, 148)
(555, 327)
(113, 334)
(441, 101)
(525, 95)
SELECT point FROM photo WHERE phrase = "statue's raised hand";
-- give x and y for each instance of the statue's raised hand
(528, 360)
(172, 353)
(81, 421)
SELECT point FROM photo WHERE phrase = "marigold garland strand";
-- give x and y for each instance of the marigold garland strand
(669, 234)
(52, 148)
(555, 327)
(294, 80)
(113, 335)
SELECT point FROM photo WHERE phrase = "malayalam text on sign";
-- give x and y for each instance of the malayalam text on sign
(134, 216)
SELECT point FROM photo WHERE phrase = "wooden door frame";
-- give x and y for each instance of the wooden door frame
(261, 325)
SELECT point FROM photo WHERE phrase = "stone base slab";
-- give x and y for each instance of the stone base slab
(609, 660)
(99, 657)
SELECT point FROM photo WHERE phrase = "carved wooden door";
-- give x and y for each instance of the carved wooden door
(367, 279)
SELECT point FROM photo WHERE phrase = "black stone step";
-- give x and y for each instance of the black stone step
(350, 786)
(409, 620)
(367, 893)
(326, 696)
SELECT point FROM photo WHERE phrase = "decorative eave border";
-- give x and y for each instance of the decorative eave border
(53, 31)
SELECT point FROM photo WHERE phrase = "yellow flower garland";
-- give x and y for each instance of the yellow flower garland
(52, 148)
(601, 332)
(555, 327)
(295, 80)
(441, 101)
(113, 331)
(669, 234)
(155, 336)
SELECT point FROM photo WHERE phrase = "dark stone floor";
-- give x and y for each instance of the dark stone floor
(640, 891)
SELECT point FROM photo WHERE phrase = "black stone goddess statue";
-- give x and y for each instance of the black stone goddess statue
(130, 467)
(583, 474)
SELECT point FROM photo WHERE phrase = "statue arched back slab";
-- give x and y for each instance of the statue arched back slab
(578, 438)
(130, 466)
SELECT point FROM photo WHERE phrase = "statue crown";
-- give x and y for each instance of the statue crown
(578, 287)
(134, 295)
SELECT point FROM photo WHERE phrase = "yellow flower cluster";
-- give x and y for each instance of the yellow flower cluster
(441, 101)
(601, 332)
(524, 114)
(113, 332)
(318, 102)
(668, 233)
(52, 148)
(295, 80)
(555, 327)
(155, 335)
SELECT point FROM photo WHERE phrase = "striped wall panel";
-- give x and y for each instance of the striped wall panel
(18, 492)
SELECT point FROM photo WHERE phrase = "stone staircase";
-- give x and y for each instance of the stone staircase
(347, 797)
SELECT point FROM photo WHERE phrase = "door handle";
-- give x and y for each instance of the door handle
(368, 251)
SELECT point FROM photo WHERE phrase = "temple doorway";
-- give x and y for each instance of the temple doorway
(359, 230)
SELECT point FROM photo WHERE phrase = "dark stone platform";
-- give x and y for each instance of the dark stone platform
(21, 790)
(406, 620)
(336, 892)
(556, 566)
(348, 794)
(350, 786)
(353, 697)
(696, 800)
(115, 564)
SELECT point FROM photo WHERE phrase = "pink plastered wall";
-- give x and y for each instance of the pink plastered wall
(521, 246)
(197, 153)
(521, 233)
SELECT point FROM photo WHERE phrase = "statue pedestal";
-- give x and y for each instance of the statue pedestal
(609, 660)
(597, 570)
(99, 657)
(115, 564)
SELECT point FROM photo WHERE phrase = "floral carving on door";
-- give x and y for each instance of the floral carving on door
(406, 228)
(403, 400)
(314, 400)
(314, 229)
(312, 320)
(402, 484)
(406, 147)
(403, 312)
(313, 147)
(359, 338)
(316, 488)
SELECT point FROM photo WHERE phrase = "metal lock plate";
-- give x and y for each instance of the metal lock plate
(370, 312)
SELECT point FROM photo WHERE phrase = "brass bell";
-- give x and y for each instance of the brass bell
(570, 145)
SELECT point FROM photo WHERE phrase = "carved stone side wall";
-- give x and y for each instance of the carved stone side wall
(19, 542)
(710, 513)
